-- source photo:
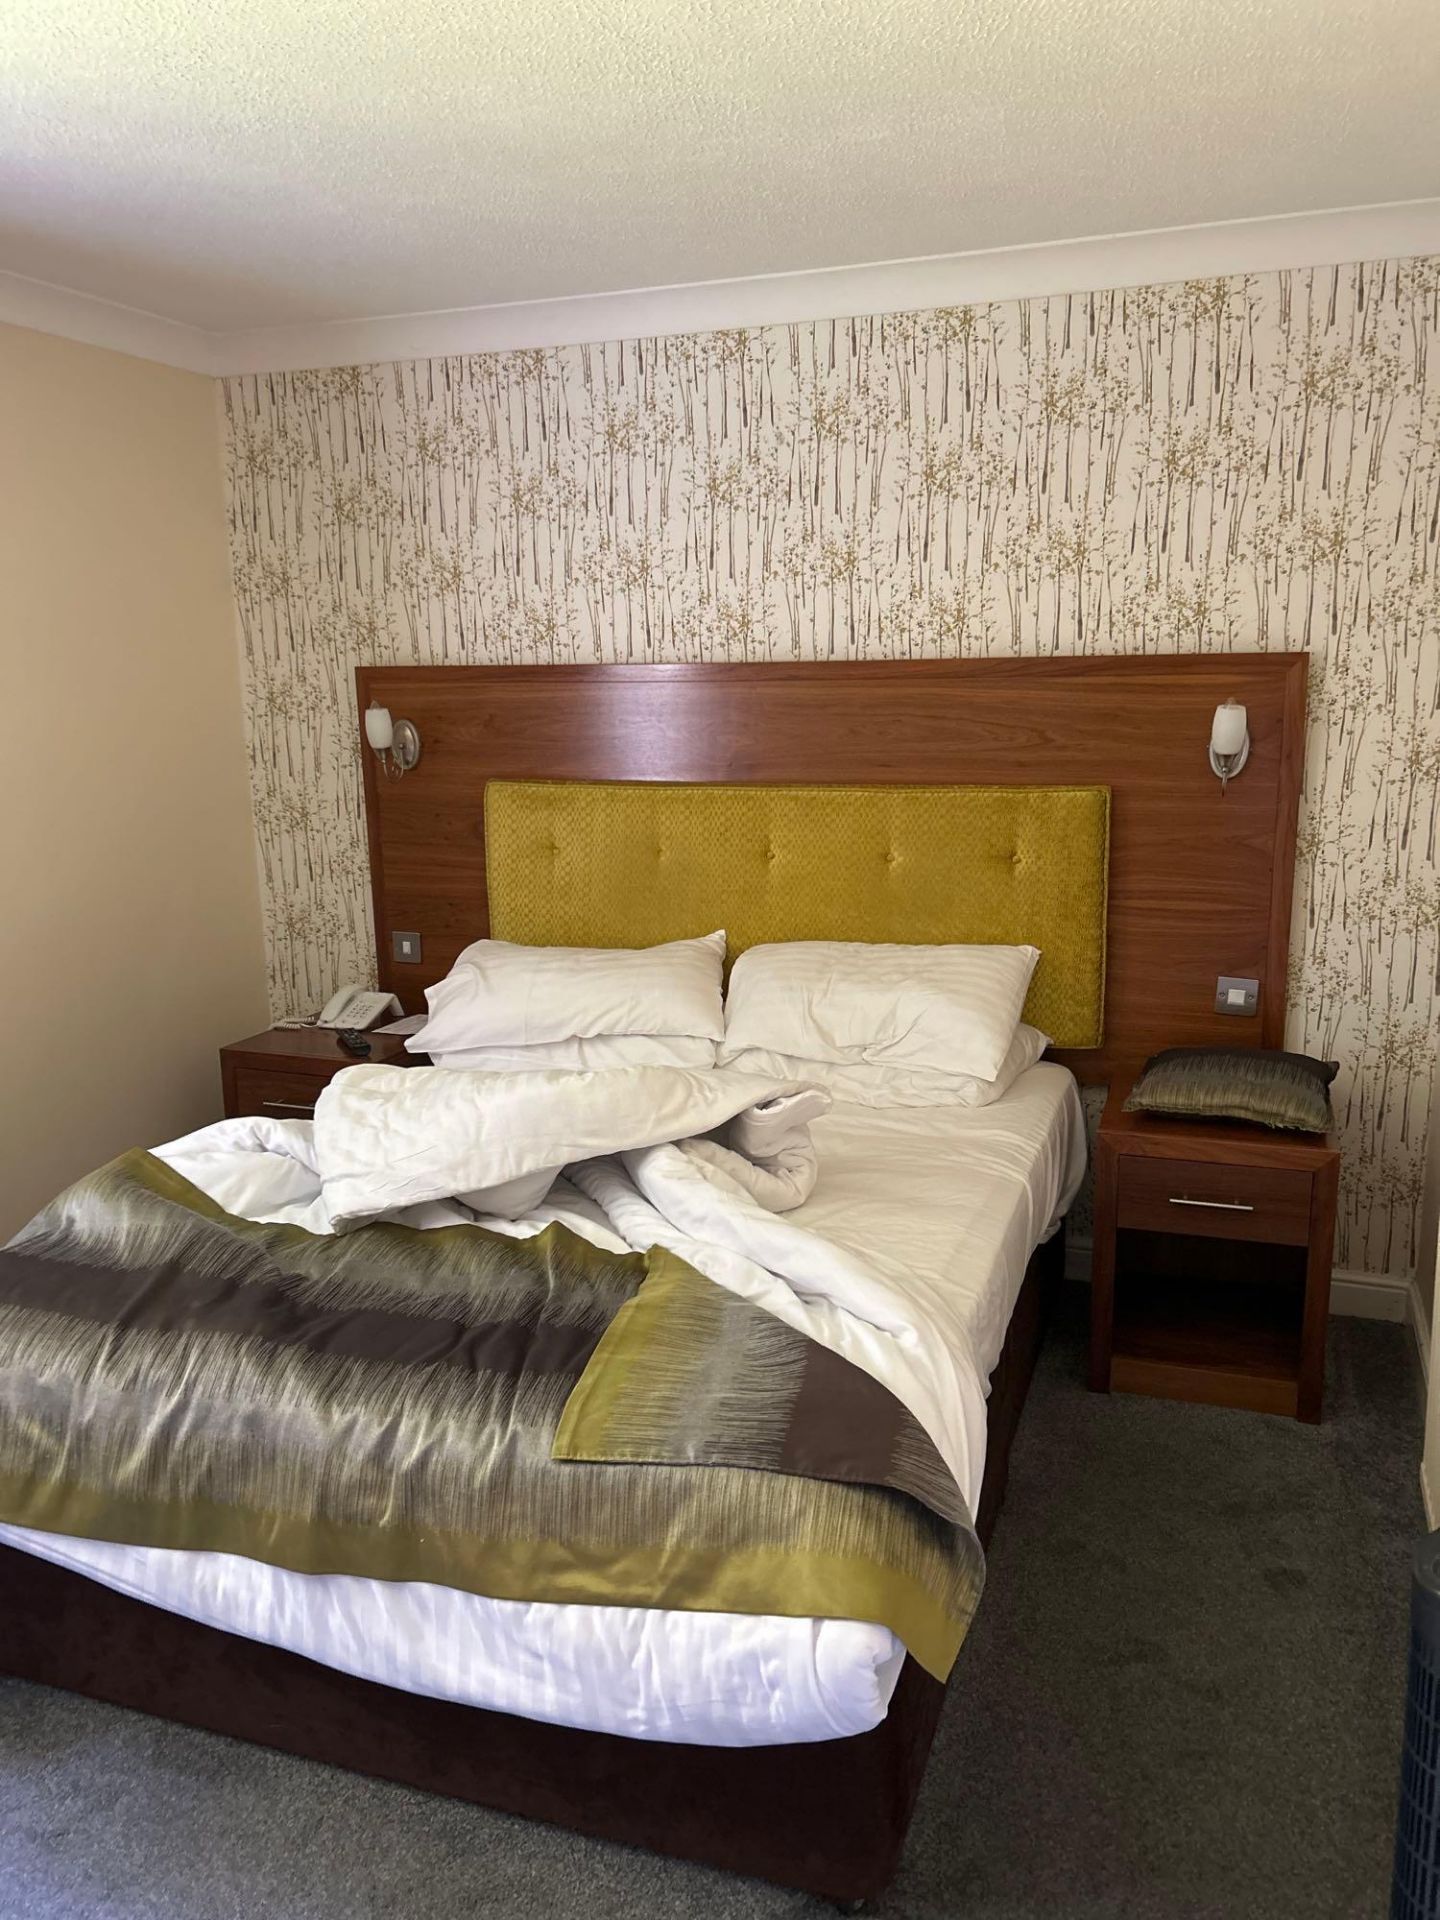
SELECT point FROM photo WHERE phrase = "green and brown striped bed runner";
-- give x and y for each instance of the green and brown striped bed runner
(528, 1419)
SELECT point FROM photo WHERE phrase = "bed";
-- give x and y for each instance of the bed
(974, 1192)
(845, 1758)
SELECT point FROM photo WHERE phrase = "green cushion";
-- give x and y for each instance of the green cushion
(1268, 1088)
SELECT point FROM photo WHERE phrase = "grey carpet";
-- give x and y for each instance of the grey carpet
(1182, 1698)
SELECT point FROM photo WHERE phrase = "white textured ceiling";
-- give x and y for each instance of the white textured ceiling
(245, 163)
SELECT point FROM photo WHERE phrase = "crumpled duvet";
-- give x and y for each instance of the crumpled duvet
(699, 1162)
(390, 1138)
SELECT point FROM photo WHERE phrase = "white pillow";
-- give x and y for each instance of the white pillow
(931, 1009)
(862, 1085)
(501, 995)
(585, 1056)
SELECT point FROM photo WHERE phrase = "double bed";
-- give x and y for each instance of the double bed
(968, 1196)
(773, 1743)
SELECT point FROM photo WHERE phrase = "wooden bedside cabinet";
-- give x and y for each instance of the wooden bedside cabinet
(1213, 1246)
(280, 1072)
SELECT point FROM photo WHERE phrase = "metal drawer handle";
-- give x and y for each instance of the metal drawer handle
(1220, 1206)
(289, 1106)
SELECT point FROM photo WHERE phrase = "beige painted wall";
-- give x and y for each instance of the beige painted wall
(130, 942)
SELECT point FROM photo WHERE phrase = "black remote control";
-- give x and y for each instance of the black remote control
(353, 1041)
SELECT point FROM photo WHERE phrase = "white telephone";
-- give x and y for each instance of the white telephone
(356, 1006)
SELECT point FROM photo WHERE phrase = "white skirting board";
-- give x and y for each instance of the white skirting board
(1368, 1296)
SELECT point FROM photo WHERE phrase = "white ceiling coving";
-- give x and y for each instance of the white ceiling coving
(231, 166)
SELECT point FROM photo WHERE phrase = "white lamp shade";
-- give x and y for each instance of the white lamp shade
(1227, 735)
(380, 728)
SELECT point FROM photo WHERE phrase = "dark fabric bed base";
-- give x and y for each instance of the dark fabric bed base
(829, 1817)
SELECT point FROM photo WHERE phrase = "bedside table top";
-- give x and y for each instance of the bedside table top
(320, 1046)
(1161, 1136)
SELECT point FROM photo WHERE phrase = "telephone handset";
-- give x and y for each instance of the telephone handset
(356, 1006)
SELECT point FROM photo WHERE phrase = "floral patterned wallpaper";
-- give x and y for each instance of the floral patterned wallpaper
(1241, 463)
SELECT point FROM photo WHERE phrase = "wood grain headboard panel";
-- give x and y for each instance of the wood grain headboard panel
(1200, 880)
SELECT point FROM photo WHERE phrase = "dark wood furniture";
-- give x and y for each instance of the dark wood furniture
(1213, 1244)
(828, 1816)
(1200, 880)
(280, 1072)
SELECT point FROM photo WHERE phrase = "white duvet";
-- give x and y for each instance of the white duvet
(906, 1259)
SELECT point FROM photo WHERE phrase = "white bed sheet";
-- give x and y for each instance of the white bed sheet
(948, 1202)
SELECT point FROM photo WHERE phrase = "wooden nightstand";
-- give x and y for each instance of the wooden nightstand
(1213, 1244)
(281, 1072)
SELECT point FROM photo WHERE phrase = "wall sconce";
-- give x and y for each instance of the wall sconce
(396, 742)
(1229, 742)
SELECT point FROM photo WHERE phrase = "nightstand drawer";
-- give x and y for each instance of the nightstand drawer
(1227, 1202)
(281, 1095)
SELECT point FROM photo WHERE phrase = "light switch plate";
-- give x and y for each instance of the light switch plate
(1237, 996)
(405, 946)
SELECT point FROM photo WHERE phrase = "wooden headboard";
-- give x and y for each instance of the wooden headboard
(1200, 880)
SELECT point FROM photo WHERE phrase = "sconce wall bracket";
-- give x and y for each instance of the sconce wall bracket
(405, 745)
(1225, 766)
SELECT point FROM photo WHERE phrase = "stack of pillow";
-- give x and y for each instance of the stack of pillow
(878, 1026)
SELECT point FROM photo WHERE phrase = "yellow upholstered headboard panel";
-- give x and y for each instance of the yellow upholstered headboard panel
(628, 864)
